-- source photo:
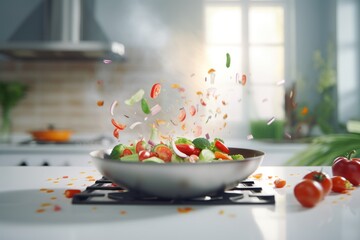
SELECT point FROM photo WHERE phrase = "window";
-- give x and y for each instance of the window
(253, 32)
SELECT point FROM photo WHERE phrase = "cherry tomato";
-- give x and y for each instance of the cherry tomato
(340, 184)
(308, 193)
(348, 168)
(144, 154)
(322, 178)
(164, 152)
(188, 149)
(140, 145)
(221, 146)
(197, 151)
(223, 156)
(69, 193)
(279, 183)
(126, 152)
(155, 90)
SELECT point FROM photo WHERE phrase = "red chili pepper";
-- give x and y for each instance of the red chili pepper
(348, 168)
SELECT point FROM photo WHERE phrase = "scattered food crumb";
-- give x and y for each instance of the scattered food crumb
(184, 210)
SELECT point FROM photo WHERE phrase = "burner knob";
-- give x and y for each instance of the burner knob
(23, 163)
(45, 164)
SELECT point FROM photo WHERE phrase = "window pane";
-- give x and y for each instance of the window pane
(216, 57)
(267, 64)
(223, 24)
(266, 102)
(266, 25)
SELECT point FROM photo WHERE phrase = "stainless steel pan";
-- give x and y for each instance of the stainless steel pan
(178, 180)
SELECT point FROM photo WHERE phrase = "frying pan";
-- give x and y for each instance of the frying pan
(178, 180)
(51, 135)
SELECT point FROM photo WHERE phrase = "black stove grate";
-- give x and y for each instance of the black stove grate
(104, 192)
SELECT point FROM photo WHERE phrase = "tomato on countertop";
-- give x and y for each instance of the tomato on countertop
(308, 193)
(348, 168)
(340, 184)
(322, 178)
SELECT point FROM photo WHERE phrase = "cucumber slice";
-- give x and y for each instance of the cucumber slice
(135, 98)
(130, 158)
(153, 159)
(206, 155)
(117, 151)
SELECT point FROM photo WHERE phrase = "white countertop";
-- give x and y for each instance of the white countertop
(337, 217)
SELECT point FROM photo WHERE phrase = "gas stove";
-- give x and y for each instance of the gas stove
(103, 191)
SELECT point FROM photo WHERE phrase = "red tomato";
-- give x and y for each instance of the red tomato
(155, 90)
(140, 145)
(127, 151)
(188, 149)
(348, 168)
(322, 178)
(164, 152)
(197, 151)
(144, 154)
(340, 184)
(69, 193)
(309, 193)
(223, 156)
(182, 115)
(221, 146)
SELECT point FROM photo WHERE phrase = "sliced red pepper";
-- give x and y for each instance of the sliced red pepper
(118, 125)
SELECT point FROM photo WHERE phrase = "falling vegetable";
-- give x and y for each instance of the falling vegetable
(135, 98)
(155, 90)
(228, 60)
(145, 106)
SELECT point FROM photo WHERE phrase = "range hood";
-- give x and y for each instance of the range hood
(63, 40)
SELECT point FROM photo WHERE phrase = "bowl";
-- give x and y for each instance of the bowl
(178, 180)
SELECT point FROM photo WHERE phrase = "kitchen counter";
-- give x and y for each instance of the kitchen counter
(33, 206)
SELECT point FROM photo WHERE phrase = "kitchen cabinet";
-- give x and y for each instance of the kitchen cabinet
(33, 206)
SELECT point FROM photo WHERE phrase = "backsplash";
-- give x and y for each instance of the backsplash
(65, 94)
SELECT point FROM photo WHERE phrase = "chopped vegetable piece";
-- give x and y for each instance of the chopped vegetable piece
(243, 80)
(132, 126)
(100, 103)
(221, 146)
(116, 133)
(177, 151)
(144, 106)
(201, 143)
(118, 125)
(135, 98)
(237, 157)
(154, 160)
(155, 109)
(223, 156)
(182, 115)
(192, 110)
(112, 107)
(117, 151)
(164, 152)
(206, 155)
(340, 184)
(228, 60)
(211, 70)
(279, 183)
(155, 90)
(69, 193)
